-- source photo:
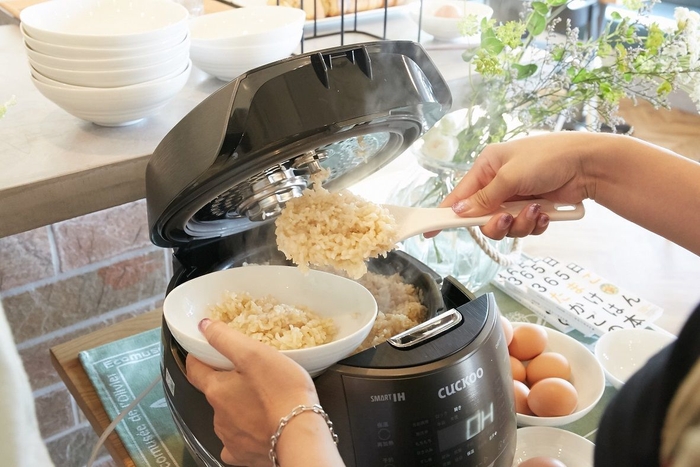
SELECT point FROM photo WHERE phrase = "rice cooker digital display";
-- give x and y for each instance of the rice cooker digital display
(438, 420)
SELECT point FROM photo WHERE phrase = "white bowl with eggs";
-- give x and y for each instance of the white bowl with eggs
(442, 19)
(624, 351)
(586, 377)
(351, 306)
(555, 444)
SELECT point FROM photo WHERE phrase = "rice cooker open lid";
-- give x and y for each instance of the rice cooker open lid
(237, 157)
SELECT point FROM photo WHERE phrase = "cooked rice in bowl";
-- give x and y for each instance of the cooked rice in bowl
(341, 230)
(282, 326)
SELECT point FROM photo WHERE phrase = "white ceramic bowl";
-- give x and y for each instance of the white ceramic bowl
(586, 376)
(351, 306)
(247, 52)
(225, 72)
(114, 78)
(114, 106)
(247, 26)
(38, 76)
(104, 23)
(567, 447)
(110, 64)
(229, 63)
(446, 28)
(96, 53)
(624, 351)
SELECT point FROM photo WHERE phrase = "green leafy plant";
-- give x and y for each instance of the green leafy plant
(526, 76)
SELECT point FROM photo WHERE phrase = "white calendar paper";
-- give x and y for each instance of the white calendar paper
(568, 295)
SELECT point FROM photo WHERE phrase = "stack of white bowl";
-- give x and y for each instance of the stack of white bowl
(110, 62)
(229, 43)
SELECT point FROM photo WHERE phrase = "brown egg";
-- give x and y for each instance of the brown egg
(542, 461)
(507, 330)
(517, 369)
(520, 390)
(548, 365)
(529, 340)
(447, 11)
(552, 397)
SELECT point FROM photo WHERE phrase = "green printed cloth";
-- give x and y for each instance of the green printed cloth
(121, 371)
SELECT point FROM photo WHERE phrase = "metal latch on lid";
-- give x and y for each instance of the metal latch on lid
(427, 330)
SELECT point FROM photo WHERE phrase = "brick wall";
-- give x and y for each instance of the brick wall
(68, 279)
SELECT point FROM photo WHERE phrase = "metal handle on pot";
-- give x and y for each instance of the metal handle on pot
(426, 330)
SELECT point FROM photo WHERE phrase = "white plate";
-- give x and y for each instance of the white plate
(624, 351)
(330, 21)
(569, 448)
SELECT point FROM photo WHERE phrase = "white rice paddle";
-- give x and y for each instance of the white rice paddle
(415, 221)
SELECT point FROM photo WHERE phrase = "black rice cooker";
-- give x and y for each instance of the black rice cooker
(439, 394)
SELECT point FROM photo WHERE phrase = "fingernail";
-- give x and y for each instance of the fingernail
(461, 206)
(505, 221)
(204, 324)
(543, 220)
(533, 211)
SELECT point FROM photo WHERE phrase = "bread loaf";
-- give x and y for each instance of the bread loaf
(327, 8)
(318, 12)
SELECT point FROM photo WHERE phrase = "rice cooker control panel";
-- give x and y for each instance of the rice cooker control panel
(455, 418)
(453, 411)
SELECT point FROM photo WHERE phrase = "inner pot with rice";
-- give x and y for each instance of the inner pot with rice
(432, 386)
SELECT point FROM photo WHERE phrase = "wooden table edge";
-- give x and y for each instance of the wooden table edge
(64, 358)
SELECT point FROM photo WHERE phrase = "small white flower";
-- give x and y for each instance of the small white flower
(450, 125)
(440, 147)
(682, 15)
(695, 95)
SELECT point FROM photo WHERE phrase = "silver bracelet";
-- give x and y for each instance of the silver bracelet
(298, 410)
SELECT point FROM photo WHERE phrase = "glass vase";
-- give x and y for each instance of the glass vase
(453, 252)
